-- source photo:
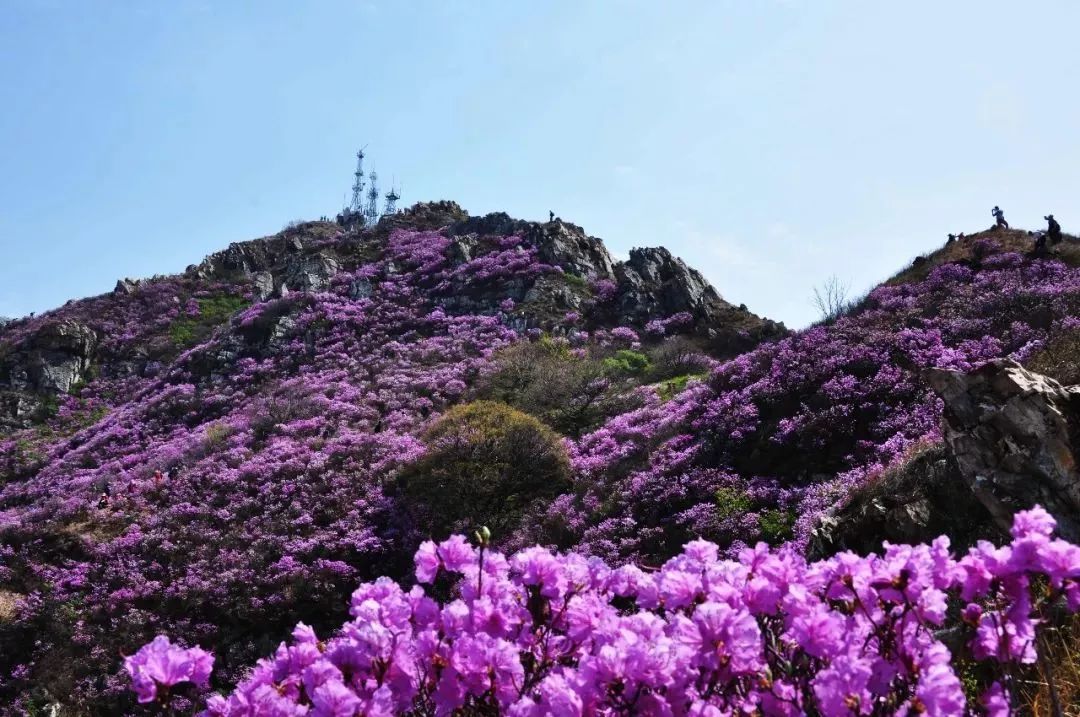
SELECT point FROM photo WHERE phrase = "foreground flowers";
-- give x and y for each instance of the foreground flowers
(540, 633)
(160, 665)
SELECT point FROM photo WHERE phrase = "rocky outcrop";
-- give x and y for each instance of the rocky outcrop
(652, 284)
(126, 286)
(311, 273)
(655, 283)
(567, 245)
(915, 501)
(1014, 436)
(50, 361)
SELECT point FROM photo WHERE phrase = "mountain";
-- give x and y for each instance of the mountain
(215, 450)
(222, 453)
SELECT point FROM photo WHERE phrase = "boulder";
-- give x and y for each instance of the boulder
(567, 245)
(1013, 435)
(311, 272)
(361, 289)
(263, 282)
(126, 286)
(59, 355)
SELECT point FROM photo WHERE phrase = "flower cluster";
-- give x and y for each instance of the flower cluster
(540, 633)
(160, 665)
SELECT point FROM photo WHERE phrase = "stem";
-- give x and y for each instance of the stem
(1055, 700)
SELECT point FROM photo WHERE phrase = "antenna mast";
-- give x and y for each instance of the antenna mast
(372, 211)
(391, 200)
(357, 205)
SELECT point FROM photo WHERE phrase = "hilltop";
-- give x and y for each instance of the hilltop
(222, 453)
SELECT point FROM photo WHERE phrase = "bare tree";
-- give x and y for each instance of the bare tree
(831, 298)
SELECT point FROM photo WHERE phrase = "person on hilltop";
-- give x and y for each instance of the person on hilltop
(999, 217)
(1053, 229)
(551, 216)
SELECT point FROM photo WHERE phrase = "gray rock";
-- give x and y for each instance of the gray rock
(60, 355)
(567, 245)
(361, 289)
(126, 286)
(1012, 433)
(312, 272)
(655, 283)
(553, 292)
(263, 282)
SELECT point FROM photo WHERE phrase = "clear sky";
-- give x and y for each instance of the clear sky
(771, 144)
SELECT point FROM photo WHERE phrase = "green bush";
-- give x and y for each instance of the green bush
(627, 363)
(776, 525)
(213, 311)
(731, 502)
(486, 464)
(668, 389)
(571, 393)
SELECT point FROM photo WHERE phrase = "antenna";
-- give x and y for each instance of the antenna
(372, 210)
(357, 204)
(391, 200)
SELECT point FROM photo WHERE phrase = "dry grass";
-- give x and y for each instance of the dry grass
(1059, 358)
(963, 250)
(9, 604)
(1061, 646)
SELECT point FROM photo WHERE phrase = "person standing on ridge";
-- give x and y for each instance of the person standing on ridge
(999, 216)
(551, 216)
(1053, 230)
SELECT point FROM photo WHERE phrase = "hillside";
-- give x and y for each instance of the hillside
(246, 419)
(219, 454)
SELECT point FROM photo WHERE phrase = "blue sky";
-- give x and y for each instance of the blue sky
(771, 144)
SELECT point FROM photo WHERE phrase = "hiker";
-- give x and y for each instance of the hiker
(999, 216)
(1053, 230)
(103, 501)
(551, 216)
(952, 238)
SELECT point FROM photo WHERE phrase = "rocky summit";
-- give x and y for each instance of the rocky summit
(199, 468)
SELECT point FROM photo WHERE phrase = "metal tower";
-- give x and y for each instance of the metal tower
(391, 200)
(357, 204)
(372, 210)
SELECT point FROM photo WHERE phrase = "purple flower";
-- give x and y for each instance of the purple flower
(160, 664)
(334, 699)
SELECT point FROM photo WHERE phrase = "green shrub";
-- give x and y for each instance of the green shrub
(213, 311)
(627, 363)
(572, 394)
(776, 525)
(486, 464)
(731, 502)
(668, 389)
(575, 280)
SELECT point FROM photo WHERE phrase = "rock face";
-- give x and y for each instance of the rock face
(48, 362)
(652, 284)
(1014, 436)
(311, 273)
(655, 283)
(568, 246)
(914, 502)
(307, 257)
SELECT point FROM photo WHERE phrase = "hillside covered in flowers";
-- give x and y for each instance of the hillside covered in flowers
(220, 455)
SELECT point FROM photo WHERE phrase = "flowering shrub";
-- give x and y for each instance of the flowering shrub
(486, 463)
(540, 634)
(160, 665)
(797, 424)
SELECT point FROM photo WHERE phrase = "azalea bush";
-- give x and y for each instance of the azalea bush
(538, 633)
(485, 462)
